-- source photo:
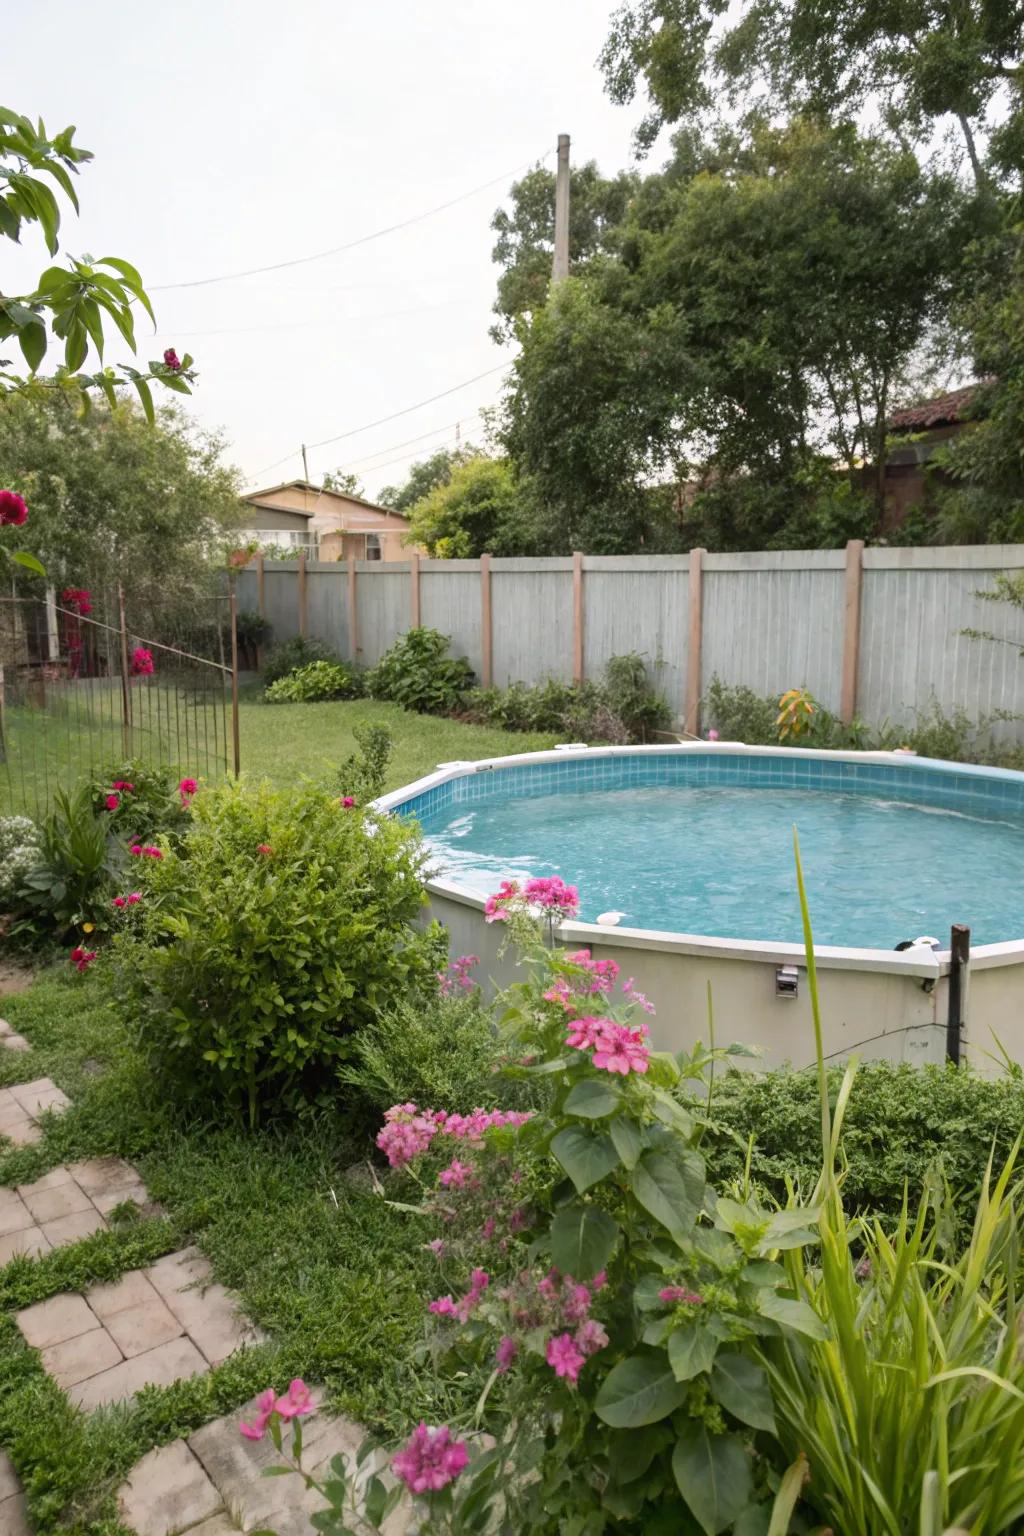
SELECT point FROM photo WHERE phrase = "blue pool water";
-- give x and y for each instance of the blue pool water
(717, 859)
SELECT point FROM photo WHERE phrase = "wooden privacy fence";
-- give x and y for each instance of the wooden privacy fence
(874, 632)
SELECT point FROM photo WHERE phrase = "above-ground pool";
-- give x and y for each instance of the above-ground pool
(693, 847)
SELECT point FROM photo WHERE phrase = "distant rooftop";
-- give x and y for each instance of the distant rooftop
(940, 411)
(265, 498)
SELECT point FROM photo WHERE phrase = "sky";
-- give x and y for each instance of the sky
(229, 136)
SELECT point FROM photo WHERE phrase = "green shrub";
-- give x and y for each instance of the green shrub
(19, 851)
(442, 1052)
(276, 932)
(80, 861)
(623, 708)
(631, 698)
(418, 673)
(315, 682)
(905, 1125)
(363, 774)
(149, 799)
(292, 654)
(738, 713)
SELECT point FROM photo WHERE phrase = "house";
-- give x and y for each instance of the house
(329, 525)
(914, 435)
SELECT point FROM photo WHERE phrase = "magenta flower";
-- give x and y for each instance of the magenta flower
(455, 1175)
(120, 901)
(494, 906)
(187, 787)
(348, 801)
(444, 1306)
(142, 661)
(564, 1358)
(620, 1049)
(172, 360)
(135, 850)
(81, 959)
(431, 1460)
(13, 510)
(712, 735)
(507, 1351)
(584, 1033)
(133, 897)
(673, 1293)
(590, 1336)
(112, 802)
(264, 1408)
(123, 784)
(553, 895)
(153, 853)
(296, 1402)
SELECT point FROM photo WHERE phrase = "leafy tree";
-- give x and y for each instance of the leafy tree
(347, 484)
(424, 476)
(115, 500)
(480, 509)
(526, 234)
(76, 302)
(915, 64)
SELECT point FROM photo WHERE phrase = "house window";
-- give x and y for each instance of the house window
(373, 549)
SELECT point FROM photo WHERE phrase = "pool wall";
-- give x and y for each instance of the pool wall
(883, 1004)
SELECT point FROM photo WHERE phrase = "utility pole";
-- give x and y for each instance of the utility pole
(305, 465)
(560, 265)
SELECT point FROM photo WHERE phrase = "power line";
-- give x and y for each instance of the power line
(354, 431)
(319, 323)
(448, 427)
(336, 250)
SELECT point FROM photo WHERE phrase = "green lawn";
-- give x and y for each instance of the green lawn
(333, 1274)
(281, 742)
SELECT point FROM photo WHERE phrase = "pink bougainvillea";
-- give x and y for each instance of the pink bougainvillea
(81, 958)
(13, 509)
(172, 360)
(142, 662)
(431, 1459)
(495, 906)
(112, 802)
(456, 978)
(553, 896)
(408, 1131)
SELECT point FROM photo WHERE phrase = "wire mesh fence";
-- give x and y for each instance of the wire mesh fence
(81, 693)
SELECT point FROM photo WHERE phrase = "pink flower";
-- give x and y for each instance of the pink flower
(564, 1358)
(81, 959)
(438, 1247)
(638, 998)
(120, 901)
(123, 784)
(577, 1303)
(620, 1049)
(264, 1408)
(584, 1033)
(406, 1134)
(296, 1402)
(673, 1293)
(112, 802)
(455, 1175)
(133, 897)
(590, 1336)
(187, 787)
(444, 1306)
(507, 1351)
(13, 510)
(348, 801)
(142, 661)
(431, 1460)
(172, 360)
(135, 850)
(494, 906)
(553, 895)
(264, 848)
(153, 853)
(600, 1280)
(712, 735)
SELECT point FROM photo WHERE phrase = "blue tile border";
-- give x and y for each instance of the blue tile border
(964, 787)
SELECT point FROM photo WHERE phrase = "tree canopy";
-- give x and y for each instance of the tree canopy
(424, 476)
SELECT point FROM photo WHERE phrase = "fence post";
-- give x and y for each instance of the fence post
(414, 580)
(126, 692)
(959, 961)
(577, 617)
(353, 616)
(235, 734)
(851, 629)
(691, 721)
(486, 623)
(261, 607)
(301, 590)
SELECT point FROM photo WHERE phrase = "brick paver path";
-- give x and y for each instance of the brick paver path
(64, 1205)
(210, 1484)
(151, 1327)
(12, 1501)
(10, 1040)
(21, 1106)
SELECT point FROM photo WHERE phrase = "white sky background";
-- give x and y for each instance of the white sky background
(229, 136)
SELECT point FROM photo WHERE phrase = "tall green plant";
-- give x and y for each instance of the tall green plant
(910, 1406)
(78, 861)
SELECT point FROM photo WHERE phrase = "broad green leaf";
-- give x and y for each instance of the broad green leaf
(32, 339)
(582, 1238)
(30, 563)
(790, 1313)
(638, 1391)
(754, 1521)
(628, 1142)
(633, 1450)
(671, 1189)
(712, 1473)
(592, 1100)
(586, 1159)
(742, 1387)
(145, 395)
(691, 1350)
(645, 1293)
